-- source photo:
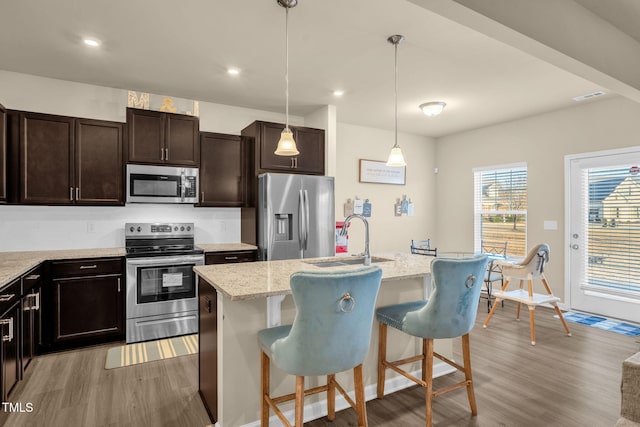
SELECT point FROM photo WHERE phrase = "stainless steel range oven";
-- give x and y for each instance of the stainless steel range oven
(162, 293)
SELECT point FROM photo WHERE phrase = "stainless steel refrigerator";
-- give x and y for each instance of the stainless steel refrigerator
(296, 216)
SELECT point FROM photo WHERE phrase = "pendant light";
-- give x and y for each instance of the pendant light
(395, 157)
(287, 145)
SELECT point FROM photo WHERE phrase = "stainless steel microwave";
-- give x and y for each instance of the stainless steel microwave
(161, 184)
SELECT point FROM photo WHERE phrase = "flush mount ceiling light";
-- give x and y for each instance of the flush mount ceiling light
(338, 93)
(233, 71)
(287, 145)
(395, 157)
(91, 42)
(432, 109)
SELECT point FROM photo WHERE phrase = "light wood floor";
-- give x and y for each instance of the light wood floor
(562, 381)
(72, 389)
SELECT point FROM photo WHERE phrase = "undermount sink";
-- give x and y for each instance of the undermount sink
(345, 261)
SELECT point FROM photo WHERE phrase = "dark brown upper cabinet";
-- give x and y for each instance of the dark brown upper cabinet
(163, 138)
(3, 154)
(310, 143)
(221, 166)
(66, 161)
(99, 171)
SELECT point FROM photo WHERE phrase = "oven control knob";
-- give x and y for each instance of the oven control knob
(131, 229)
(175, 229)
(139, 229)
(188, 228)
(181, 228)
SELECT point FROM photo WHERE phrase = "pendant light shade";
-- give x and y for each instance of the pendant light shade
(395, 157)
(287, 145)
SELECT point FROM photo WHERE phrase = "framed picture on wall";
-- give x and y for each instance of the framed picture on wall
(378, 172)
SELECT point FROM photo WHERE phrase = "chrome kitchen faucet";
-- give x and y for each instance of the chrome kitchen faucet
(345, 230)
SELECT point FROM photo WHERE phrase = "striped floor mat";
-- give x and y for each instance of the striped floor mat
(132, 354)
(624, 328)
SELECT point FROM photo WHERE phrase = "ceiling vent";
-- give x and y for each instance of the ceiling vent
(589, 96)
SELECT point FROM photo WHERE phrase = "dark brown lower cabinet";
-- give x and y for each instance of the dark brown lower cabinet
(10, 338)
(88, 308)
(208, 344)
(208, 330)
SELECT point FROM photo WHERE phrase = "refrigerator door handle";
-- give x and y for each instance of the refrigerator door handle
(301, 220)
(306, 219)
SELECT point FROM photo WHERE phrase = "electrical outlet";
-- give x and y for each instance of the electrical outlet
(91, 227)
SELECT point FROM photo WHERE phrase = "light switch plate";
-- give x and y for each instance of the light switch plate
(550, 225)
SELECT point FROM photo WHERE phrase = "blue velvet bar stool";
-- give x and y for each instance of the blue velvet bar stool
(331, 333)
(450, 312)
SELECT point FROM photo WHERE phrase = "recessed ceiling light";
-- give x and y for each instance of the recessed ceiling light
(338, 92)
(91, 42)
(233, 71)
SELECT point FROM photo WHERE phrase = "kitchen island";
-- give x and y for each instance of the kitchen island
(252, 296)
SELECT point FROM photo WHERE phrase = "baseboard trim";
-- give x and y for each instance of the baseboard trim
(319, 409)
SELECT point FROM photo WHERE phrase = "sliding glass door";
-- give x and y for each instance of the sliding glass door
(604, 234)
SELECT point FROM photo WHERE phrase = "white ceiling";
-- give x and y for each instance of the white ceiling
(183, 49)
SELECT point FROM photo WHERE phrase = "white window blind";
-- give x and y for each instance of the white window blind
(613, 249)
(500, 208)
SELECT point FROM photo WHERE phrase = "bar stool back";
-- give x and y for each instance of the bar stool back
(331, 333)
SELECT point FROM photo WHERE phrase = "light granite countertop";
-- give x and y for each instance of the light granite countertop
(223, 247)
(15, 264)
(251, 280)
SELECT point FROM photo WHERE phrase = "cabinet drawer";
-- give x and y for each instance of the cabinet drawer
(32, 279)
(86, 267)
(10, 295)
(230, 257)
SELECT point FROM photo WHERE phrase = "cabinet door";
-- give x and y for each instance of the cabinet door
(208, 352)
(220, 170)
(181, 145)
(9, 341)
(88, 307)
(268, 137)
(46, 159)
(3, 154)
(310, 143)
(99, 165)
(146, 136)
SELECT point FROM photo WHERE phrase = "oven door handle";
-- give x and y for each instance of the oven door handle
(177, 260)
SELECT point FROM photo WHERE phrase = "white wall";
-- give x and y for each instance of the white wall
(542, 142)
(43, 227)
(387, 232)
(25, 228)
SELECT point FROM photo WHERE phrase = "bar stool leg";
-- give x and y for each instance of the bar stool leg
(331, 397)
(466, 357)
(427, 365)
(264, 390)
(299, 401)
(360, 402)
(382, 357)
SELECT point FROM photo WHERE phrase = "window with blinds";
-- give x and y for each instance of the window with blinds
(500, 208)
(613, 244)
